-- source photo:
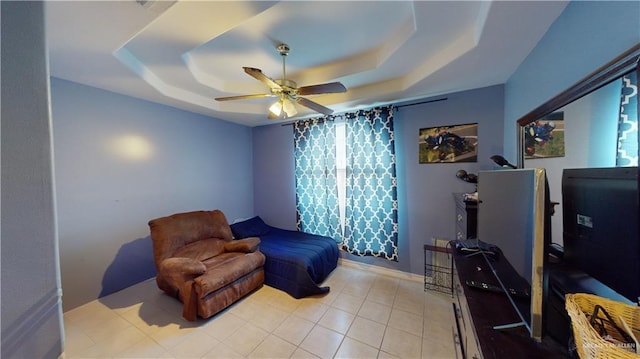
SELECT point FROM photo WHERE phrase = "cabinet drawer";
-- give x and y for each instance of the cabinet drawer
(461, 224)
(467, 340)
(466, 218)
(457, 333)
(461, 217)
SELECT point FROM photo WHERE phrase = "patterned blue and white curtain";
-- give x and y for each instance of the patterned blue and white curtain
(371, 224)
(315, 172)
(628, 122)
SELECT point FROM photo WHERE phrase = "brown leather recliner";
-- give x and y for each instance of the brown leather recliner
(199, 263)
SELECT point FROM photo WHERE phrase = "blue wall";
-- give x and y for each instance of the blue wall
(425, 190)
(587, 35)
(274, 193)
(121, 161)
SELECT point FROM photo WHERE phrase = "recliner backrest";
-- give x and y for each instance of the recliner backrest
(171, 233)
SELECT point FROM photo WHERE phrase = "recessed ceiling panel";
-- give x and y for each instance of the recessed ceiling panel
(319, 34)
(187, 54)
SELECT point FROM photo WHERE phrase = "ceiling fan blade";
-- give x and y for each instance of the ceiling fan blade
(258, 75)
(314, 106)
(244, 97)
(331, 87)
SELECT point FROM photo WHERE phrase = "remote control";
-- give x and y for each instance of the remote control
(494, 288)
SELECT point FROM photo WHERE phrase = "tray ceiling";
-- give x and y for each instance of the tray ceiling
(185, 53)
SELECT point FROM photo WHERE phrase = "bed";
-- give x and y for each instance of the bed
(296, 262)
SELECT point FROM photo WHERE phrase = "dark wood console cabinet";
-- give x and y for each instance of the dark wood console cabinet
(466, 217)
(478, 311)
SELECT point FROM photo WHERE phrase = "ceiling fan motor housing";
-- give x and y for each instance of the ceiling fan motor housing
(288, 87)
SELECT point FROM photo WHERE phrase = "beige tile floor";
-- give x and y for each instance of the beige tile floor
(365, 315)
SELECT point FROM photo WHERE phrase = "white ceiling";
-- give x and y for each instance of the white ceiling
(185, 53)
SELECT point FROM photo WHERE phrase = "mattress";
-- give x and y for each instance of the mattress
(296, 262)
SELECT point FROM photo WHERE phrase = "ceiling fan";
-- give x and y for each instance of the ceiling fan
(288, 91)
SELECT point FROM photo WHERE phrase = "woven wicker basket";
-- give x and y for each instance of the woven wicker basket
(589, 343)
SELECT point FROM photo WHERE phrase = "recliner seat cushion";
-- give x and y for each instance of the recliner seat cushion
(229, 268)
(201, 250)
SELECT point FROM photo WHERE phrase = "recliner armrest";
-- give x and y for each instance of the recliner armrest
(183, 265)
(245, 245)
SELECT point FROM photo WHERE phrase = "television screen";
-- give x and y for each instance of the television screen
(512, 216)
(600, 225)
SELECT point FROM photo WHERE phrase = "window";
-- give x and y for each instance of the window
(628, 122)
(346, 181)
(341, 169)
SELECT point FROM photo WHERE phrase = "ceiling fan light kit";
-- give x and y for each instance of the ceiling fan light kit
(288, 91)
(276, 108)
(289, 107)
(283, 105)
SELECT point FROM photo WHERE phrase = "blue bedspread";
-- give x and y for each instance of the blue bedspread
(296, 262)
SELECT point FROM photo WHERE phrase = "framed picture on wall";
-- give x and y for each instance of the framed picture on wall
(457, 143)
(545, 138)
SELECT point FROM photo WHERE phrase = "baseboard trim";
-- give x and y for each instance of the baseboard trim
(38, 321)
(381, 270)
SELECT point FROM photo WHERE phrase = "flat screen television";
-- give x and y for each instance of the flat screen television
(513, 215)
(600, 226)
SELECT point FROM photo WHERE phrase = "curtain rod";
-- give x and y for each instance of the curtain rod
(423, 102)
(328, 118)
